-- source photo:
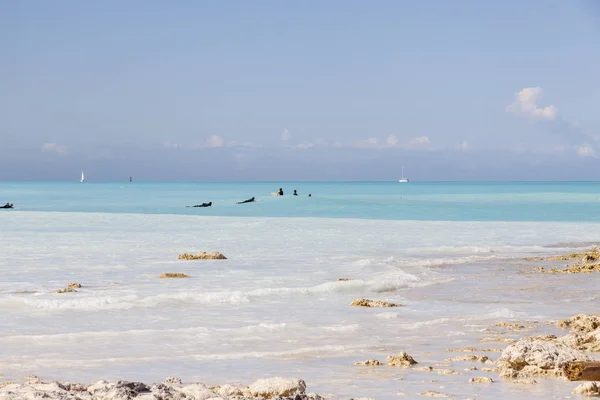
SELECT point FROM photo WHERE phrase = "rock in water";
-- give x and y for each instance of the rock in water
(277, 386)
(588, 389)
(168, 275)
(529, 357)
(401, 360)
(373, 303)
(481, 379)
(215, 255)
(368, 363)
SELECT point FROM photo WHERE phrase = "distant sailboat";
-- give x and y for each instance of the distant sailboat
(403, 179)
(82, 177)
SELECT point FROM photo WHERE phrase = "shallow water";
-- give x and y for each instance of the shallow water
(275, 306)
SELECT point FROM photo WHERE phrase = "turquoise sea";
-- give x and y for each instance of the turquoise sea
(480, 201)
(452, 254)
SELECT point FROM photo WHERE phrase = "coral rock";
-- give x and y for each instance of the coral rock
(278, 386)
(481, 379)
(401, 360)
(167, 275)
(373, 303)
(588, 389)
(368, 363)
(202, 256)
(536, 358)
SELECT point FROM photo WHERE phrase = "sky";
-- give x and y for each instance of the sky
(300, 90)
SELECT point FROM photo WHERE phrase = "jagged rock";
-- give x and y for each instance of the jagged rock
(447, 372)
(481, 379)
(65, 290)
(215, 255)
(373, 303)
(277, 386)
(581, 323)
(588, 389)
(167, 275)
(368, 363)
(471, 369)
(120, 389)
(171, 380)
(3, 384)
(536, 358)
(401, 360)
(473, 358)
(74, 285)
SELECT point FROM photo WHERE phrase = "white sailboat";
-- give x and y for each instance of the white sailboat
(82, 177)
(403, 179)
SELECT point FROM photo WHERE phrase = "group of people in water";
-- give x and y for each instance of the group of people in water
(250, 200)
(7, 205)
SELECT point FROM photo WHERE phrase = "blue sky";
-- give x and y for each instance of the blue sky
(305, 90)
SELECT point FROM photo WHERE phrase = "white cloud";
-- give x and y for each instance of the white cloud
(420, 140)
(59, 149)
(286, 135)
(392, 140)
(585, 150)
(526, 104)
(463, 146)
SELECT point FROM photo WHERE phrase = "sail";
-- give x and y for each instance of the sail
(82, 177)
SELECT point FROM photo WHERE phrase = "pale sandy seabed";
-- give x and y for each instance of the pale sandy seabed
(275, 307)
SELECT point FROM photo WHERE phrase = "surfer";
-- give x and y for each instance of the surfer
(209, 204)
(7, 205)
(295, 193)
(250, 200)
(309, 195)
(280, 192)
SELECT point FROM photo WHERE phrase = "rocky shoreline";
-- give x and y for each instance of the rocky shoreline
(278, 388)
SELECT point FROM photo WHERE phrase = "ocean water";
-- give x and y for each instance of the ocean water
(451, 254)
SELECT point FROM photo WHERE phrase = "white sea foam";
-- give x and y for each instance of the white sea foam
(276, 298)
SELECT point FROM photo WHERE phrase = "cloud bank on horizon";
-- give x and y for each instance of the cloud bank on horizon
(203, 91)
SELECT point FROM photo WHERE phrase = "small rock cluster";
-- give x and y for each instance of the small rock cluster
(71, 287)
(168, 275)
(373, 303)
(170, 389)
(215, 255)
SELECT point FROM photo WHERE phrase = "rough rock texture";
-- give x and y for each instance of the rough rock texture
(528, 358)
(481, 379)
(373, 303)
(588, 389)
(587, 342)
(581, 323)
(368, 363)
(170, 389)
(401, 360)
(277, 386)
(586, 262)
(167, 275)
(215, 255)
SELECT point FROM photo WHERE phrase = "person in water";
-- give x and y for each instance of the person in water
(203, 204)
(7, 205)
(250, 200)
(280, 192)
(295, 193)
(309, 195)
